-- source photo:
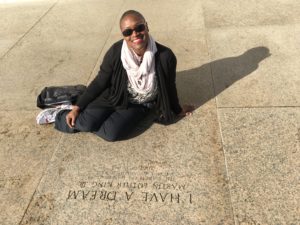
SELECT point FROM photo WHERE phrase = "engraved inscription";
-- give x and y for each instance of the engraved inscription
(105, 195)
(151, 182)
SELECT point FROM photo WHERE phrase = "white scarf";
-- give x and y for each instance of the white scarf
(140, 76)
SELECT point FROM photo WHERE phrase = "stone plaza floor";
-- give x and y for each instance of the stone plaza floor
(235, 161)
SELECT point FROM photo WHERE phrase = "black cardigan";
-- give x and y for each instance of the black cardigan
(110, 85)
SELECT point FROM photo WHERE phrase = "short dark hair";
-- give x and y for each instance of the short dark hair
(131, 12)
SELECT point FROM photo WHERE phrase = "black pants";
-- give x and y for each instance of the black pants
(110, 124)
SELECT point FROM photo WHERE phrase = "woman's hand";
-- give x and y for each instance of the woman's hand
(187, 110)
(72, 115)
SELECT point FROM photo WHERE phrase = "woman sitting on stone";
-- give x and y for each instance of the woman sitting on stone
(137, 74)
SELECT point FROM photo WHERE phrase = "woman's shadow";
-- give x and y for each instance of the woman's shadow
(199, 85)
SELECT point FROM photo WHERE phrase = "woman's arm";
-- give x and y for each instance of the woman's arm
(100, 83)
(173, 96)
(184, 110)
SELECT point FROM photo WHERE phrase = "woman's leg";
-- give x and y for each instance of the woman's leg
(61, 123)
(89, 120)
(122, 122)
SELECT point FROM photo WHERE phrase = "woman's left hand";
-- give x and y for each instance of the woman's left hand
(187, 110)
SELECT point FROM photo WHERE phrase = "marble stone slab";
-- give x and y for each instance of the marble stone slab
(25, 151)
(166, 175)
(239, 13)
(262, 149)
(18, 18)
(62, 49)
(256, 66)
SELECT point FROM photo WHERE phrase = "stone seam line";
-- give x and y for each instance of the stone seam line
(222, 142)
(99, 58)
(42, 176)
(62, 135)
(22, 37)
(219, 123)
(57, 146)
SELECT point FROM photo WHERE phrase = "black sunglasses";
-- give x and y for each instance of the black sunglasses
(138, 28)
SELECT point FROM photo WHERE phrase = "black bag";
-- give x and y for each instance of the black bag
(53, 96)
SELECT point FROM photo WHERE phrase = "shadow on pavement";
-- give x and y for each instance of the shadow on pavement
(195, 86)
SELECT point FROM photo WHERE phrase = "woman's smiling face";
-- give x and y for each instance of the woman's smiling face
(138, 40)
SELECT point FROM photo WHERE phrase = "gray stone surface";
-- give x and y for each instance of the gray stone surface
(25, 152)
(46, 56)
(18, 19)
(234, 161)
(246, 75)
(262, 149)
(238, 13)
(155, 178)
